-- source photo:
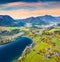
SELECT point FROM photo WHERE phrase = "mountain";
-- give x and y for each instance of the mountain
(47, 19)
(34, 20)
(19, 22)
(58, 18)
(6, 20)
(58, 24)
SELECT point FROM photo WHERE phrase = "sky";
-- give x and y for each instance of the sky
(20, 9)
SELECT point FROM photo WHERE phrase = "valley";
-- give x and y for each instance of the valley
(46, 39)
(47, 43)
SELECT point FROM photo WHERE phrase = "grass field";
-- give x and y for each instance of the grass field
(36, 56)
(57, 42)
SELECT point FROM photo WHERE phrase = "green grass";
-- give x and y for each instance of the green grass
(33, 56)
(55, 29)
(41, 45)
(55, 41)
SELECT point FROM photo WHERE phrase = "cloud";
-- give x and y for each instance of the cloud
(29, 6)
(8, 1)
(26, 13)
(24, 9)
(22, 5)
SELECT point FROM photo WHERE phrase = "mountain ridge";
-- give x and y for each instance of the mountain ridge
(6, 20)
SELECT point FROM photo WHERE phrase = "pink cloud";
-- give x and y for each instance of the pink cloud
(25, 13)
(38, 4)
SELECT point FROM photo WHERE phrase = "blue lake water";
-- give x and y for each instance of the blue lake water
(13, 50)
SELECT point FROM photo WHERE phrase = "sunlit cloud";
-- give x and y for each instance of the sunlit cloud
(24, 9)
(25, 13)
(24, 4)
(29, 6)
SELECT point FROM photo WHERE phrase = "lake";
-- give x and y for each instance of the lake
(13, 50)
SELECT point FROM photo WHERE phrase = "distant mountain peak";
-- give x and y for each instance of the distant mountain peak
(5, 16)
(47, 15)
(6, 20)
